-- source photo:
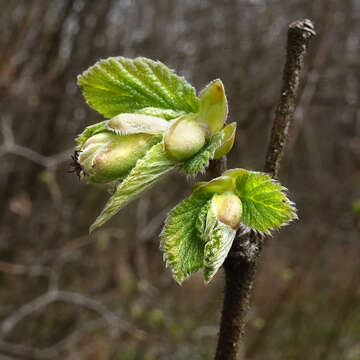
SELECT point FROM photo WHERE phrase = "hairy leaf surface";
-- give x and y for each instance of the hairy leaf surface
(180, 239)
(146, 171)
(120, 85)
(219, 238)
(265, 205)
(201, 160)
(167, 114)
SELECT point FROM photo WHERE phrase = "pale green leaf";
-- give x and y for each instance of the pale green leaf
(213, 106)
(124, 124)
(217, 185)
(90, 131)
(121, 85)
(180, 239)
(145, 173)
(218, 240)
(227, 141)
(265, 205)
(201, 160)
(167, 114)
(201, 219)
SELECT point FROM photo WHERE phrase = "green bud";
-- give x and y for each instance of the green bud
(106, 157)
(213, 106)
(184, 138)
(227, 208)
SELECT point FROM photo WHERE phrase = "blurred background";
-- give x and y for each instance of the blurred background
(67, 295)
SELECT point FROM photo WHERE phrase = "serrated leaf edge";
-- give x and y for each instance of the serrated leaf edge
(101, 219)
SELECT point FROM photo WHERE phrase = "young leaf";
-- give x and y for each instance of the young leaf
(213, 107)
(120, 85)
(265, 205)
(146, 171)
(167, 114)
(183, 247)
(124, 124)
(217, 185)
(90, 131)
(201, 160)
(218, 238)
(217, 247)
(200, 223)
(227, 141)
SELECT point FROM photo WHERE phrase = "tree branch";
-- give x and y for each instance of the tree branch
(299, 34)
(240, 266)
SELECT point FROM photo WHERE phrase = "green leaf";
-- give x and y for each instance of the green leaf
(201, 160)
(219, 238)
(120, 85)
(167, 114)
(265, 205)
(90, 131)
(227, 141)
(213, 107)
(217, 185)
(183, 247)
(124, 124)
(145, 173)
(201, 219)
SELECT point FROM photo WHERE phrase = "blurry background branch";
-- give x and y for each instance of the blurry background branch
(10, 146)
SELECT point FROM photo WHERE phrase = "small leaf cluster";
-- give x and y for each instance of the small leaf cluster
(199, 232)
(156, 123)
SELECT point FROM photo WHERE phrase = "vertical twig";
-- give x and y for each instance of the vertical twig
(240, 266)
(299, 34)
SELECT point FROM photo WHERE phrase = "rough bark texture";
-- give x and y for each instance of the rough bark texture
(299, 34)
(240, 266)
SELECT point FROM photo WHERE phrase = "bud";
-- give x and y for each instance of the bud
(184, 138)
(227, 208)
(106, 157)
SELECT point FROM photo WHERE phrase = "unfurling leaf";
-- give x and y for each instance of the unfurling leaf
(227, 141)
(167, 114)
(120, 85)
(213, 107)
(146, 171)
(125, 124)
(180, 241)
(218, 243)
(222, 221)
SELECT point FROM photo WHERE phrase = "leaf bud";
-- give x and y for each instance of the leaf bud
(106, 157)
(227, 208)
(184, 138)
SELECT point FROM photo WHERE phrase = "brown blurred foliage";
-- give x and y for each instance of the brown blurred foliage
(67, 295)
